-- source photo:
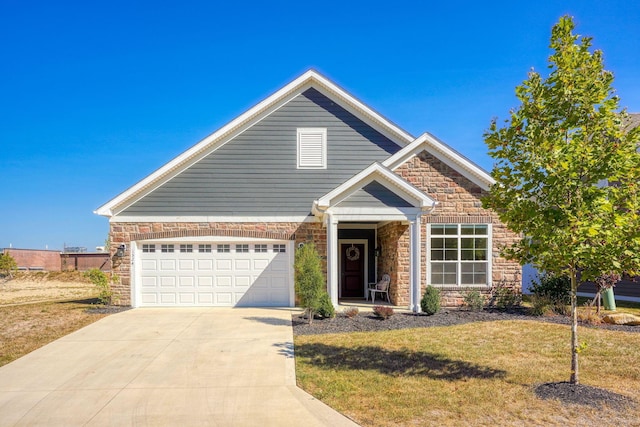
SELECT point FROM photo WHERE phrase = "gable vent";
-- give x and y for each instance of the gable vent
(312, 148)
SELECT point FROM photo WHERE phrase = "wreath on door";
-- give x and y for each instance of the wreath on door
(353, 253)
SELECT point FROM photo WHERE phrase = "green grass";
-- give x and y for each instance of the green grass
(473, 374)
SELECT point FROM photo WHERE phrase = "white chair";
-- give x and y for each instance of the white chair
(382, 287)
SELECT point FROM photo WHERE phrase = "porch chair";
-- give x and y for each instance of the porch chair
(382, 287)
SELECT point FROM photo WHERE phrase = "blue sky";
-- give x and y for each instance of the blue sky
(94, 96)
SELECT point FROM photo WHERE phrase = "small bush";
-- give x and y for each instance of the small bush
(506, 296)
(474, 300)
(383, 312)
(8, 265)
(325, 307)
(555, 288)
(589, 316)
(101, 280)
(541, 306)
(430, 302)
(351, 312)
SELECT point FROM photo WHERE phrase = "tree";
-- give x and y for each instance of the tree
(567, 175)
(309, 280)
(7, 264)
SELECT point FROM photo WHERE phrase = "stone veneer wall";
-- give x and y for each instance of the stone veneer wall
(125, 233)
(459, 202)
(393, 238)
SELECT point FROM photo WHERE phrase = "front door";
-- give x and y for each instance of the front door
(352, 270)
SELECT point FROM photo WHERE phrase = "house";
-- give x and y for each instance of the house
(219, 224)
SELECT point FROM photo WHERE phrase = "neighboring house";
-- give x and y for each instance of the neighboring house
(219, 224)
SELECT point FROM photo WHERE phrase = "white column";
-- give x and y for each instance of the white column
(332, 259)
(414, 270)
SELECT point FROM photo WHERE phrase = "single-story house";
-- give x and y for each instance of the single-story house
(219, 224)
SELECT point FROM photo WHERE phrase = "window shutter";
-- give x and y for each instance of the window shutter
(312, 148)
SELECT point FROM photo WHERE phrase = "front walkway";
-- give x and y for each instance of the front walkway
(187, 367)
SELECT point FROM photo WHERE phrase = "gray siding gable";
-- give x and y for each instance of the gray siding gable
(374, 195)
(255, 173)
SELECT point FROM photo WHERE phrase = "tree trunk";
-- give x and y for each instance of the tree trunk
(574, 330)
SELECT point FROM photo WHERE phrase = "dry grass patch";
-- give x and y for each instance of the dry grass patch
(45, 286)
(473, 374)
(24, 328)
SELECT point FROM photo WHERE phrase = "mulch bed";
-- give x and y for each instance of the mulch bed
(367, 322)
(580, 394)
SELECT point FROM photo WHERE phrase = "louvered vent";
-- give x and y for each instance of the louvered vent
(312, 148)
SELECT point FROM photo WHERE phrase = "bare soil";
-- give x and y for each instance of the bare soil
(39, 287)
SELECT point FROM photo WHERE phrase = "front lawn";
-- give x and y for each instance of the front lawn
(480, 373)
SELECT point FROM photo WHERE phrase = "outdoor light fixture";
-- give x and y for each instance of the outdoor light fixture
(120, 251)
(378, 251)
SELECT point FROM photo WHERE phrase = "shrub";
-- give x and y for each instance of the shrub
(101, 280)
(555, 288)
(351, 312)
(430, 302)
(541, 306)
(325, 307)
(383, 311)
(588, 316)
(7, 265)
(309, 280)
(474, 300)
(506, 296)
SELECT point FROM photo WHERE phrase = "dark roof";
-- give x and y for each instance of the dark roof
(632, 122)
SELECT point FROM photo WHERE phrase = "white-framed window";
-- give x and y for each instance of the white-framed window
(279, 248)
(260, 248)
(204, 248)
(312, 148)
(459, 254)
(166, 248)
(242, 248)
(224, 248)
(186, 248)
(148, 248)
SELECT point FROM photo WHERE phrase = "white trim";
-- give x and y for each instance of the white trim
(407, 191)
(307, 80)
(364, 242)
(232, 219)
(445, 154)
(332, 258)
(415, 229)
(305, 136)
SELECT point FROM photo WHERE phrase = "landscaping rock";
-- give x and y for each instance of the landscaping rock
(622, 319)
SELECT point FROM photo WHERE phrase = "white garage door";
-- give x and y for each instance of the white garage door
(224, 274)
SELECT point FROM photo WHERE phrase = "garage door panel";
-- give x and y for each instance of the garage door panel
(253, 278)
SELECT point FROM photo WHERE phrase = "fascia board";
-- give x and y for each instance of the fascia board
(444, 153)
(311, 78)
(368, 175)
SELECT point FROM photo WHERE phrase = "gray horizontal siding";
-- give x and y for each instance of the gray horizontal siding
(374, 195)
(256, 173)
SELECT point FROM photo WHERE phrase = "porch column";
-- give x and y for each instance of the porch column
(414, 271)
(332, 258)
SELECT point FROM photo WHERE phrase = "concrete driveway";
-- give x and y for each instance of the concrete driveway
(187, 367)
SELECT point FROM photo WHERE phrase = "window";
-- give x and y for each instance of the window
(148, 248)
(279, 248)
(261, 248)
(186, 248)
(204, 248)
(242, 248)
(459, 254)
(166, 248)
(224, 248)
(312, 148)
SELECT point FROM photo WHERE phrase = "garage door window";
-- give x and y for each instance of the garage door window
(279, 248)
(204, 248)
(224, 248)
(149, 248)
(186, 248)
(166, 248)
(242, 248)
(261, 248)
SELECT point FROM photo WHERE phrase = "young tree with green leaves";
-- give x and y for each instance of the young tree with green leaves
(7, 264)
(567, 175)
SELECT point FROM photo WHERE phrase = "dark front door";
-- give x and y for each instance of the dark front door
(352, 270)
